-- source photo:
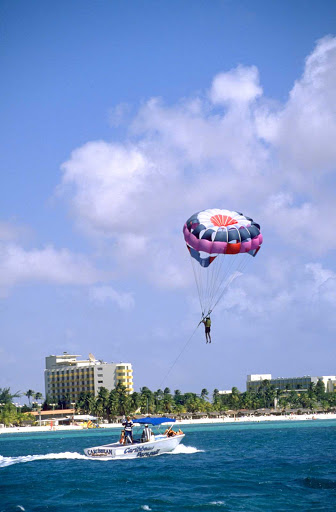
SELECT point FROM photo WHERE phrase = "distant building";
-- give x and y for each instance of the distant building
(329, 382)
(225, 392)
(290, 383)
(66, 376)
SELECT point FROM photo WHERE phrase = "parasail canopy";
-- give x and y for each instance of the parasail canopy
(217, 241)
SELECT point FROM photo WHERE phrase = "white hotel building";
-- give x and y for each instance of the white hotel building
(67, 376)
(295, 383)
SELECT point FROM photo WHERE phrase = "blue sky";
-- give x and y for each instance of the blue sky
(120, 120)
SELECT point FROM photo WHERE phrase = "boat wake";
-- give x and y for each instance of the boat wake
(181, 448)
(9, 461)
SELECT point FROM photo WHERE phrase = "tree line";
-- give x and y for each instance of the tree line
(117, 402)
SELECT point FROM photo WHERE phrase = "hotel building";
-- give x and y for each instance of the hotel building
(291, 383)
(66, 376)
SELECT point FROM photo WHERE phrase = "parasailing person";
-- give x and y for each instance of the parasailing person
(220, 243)
(207, 325)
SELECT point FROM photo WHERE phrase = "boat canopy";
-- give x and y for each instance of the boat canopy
(154, 421)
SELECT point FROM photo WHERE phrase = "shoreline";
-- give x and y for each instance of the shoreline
(203, 421)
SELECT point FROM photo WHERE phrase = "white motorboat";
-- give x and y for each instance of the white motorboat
(157, 444)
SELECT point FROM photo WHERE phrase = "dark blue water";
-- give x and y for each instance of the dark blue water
(232, 467)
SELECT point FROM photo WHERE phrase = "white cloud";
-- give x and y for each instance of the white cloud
(10, 231)
(240, 85)
(324, 283)
(282, 289)
(304, 130)
(224, 149)
(106, 180)
(7, 231)
(102, 294)
(46, 265)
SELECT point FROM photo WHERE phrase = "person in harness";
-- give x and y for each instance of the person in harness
(128, 430)
(207, 324)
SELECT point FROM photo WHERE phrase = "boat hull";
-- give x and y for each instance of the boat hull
(161, 444)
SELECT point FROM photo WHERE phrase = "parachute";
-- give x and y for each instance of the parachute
(219, 242)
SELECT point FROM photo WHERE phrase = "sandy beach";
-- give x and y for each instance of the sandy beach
(243, 419)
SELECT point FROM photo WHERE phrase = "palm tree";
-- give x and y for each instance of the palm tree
(6, 396)
(102, 398)
(216, 400)
(167, 400)
(86, 402)
(147, 400)
(135, 399)
(30, 394)
(158, 401)
(124, 400)
(38, 396)
(178, 399)
(113, 404)
(204, 394)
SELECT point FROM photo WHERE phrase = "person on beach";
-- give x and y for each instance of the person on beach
(207, 324)
(128, 429)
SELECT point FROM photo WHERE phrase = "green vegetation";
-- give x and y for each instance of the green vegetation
(10, 414)
(110, 404)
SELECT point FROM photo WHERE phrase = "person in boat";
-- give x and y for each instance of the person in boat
(146, 434)
(122, 437)
(207, 324)
(128, 430)
(170, 432)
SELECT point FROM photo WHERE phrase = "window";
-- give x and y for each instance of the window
(100, 382)
(100, 374)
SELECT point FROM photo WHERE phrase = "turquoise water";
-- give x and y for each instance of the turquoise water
(232, 467)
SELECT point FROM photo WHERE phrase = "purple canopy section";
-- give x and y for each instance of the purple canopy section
(204, 245)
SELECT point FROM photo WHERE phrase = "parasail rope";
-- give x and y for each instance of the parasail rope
(178, 357)
(197, 282)
(240, 269)
(217, 281)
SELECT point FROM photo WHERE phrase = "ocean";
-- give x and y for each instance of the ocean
(271, 466)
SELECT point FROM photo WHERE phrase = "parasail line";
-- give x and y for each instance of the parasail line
(178, 357)
(241, 267)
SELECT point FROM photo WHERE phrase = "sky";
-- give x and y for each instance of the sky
(120, 119)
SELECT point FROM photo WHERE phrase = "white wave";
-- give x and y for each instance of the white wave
(218, 503)
(9, 461)
(20, 507)
(145, 507)
(181, 448)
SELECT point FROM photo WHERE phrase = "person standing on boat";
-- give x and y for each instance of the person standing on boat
(207, 324)
(128, 424)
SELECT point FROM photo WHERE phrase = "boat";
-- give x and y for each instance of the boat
(157, 444)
